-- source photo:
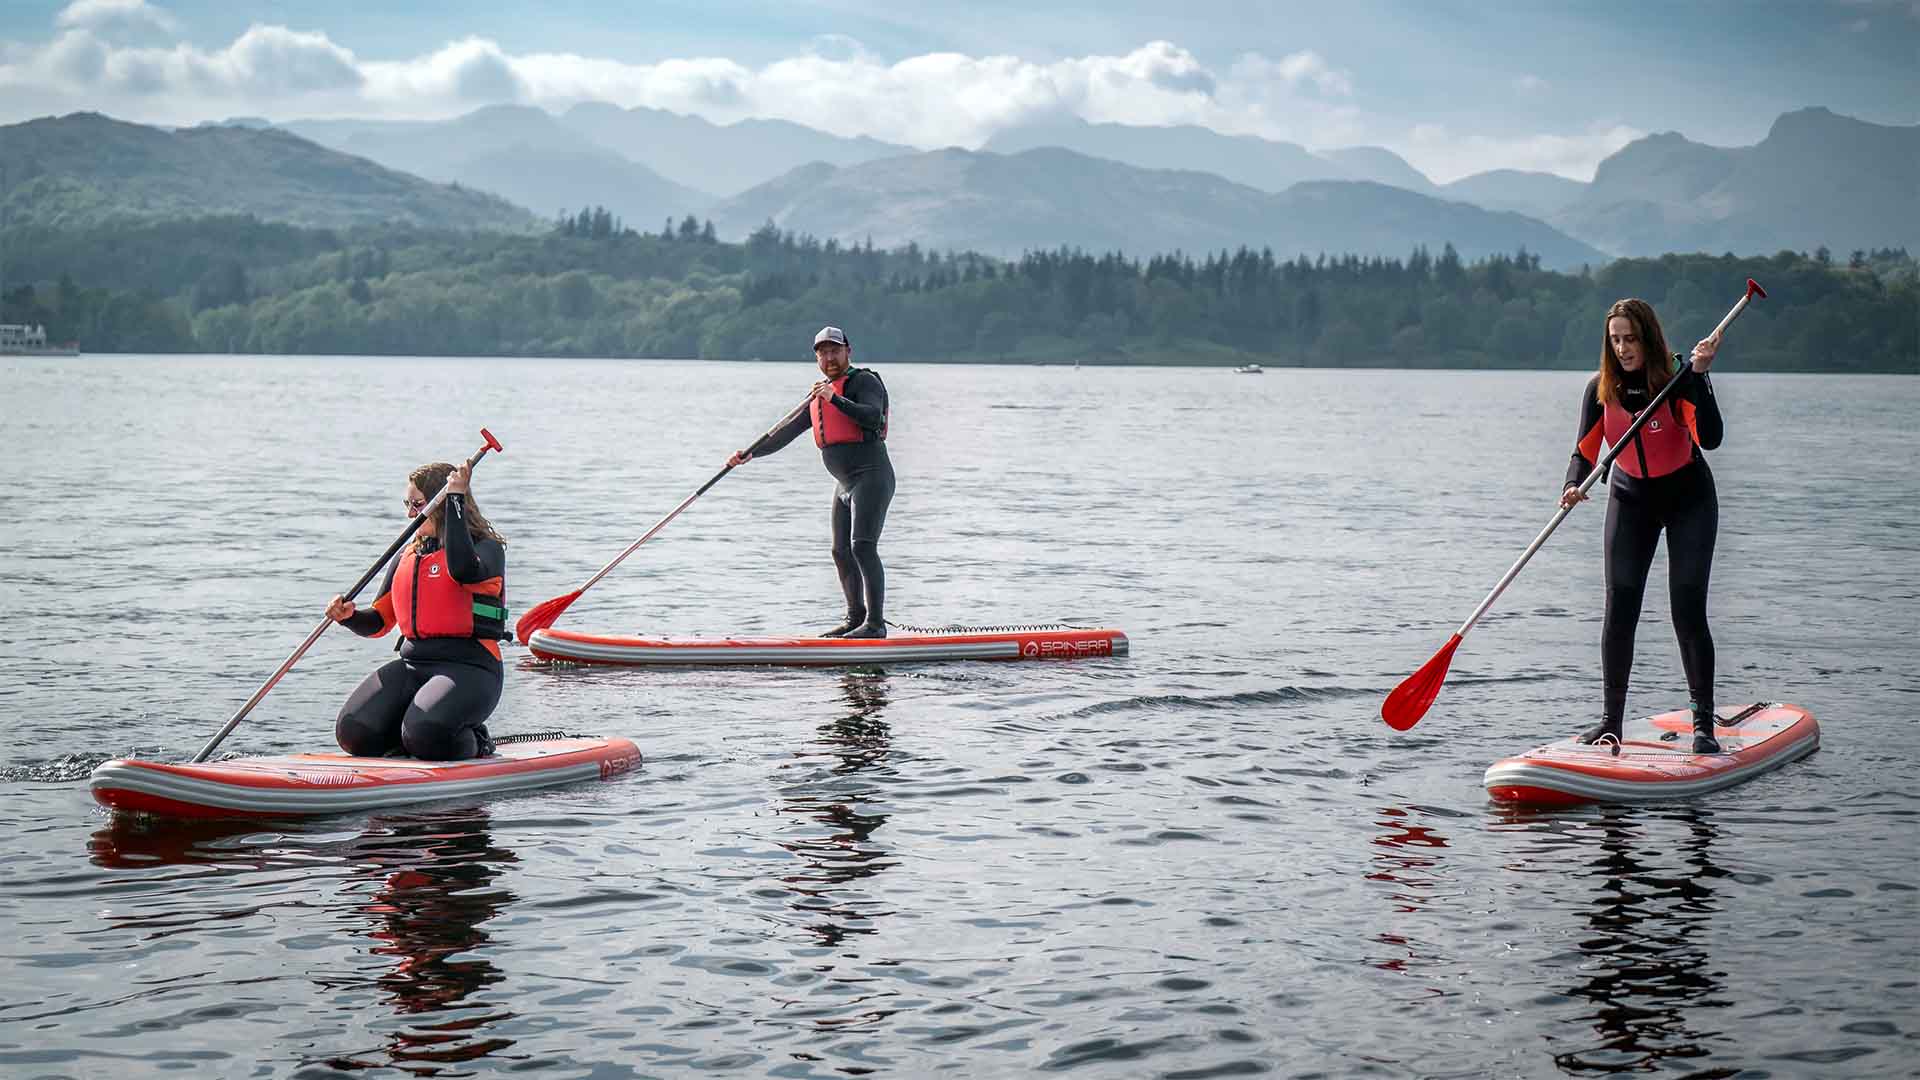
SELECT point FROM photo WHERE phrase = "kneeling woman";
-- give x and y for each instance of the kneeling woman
(447, 594)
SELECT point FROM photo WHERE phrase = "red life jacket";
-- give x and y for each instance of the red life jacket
(831, 426)
(428, 603)
(1666, 441)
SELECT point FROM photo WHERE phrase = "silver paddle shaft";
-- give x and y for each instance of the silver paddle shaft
(661, 524)
(1598, 470)
(688, 501)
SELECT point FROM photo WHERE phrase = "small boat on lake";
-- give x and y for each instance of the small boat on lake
(1250, 369)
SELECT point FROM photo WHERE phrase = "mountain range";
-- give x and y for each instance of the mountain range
(1003, 204)
(1817, 179)
(722, 160)
(522, 153)
(86, 169)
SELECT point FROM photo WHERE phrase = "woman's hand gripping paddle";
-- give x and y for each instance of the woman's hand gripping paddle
(1411, 699)
(543, 614)
(405, 535)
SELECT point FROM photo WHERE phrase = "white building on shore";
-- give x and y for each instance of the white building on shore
(17, 339)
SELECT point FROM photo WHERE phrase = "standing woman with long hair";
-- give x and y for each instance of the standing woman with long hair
(1661, 483)
(447, 593)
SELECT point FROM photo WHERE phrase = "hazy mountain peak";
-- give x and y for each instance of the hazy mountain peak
(724, 159)
(523, 153)
(1379, 164)
(1050, 196)
(87, 168)
(1536, 194)
(1818, 178)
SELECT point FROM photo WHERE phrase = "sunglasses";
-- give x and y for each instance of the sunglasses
(414, 506)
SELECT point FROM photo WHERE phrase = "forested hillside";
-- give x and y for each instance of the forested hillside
(588, 287)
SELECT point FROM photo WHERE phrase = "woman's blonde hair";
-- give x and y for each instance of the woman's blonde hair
(429, 479)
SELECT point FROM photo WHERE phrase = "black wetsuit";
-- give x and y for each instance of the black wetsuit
(862, 493)
(433, 702)
(1683, 503)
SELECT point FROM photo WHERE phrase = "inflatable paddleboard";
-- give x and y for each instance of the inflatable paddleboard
(299, 785)
(1656, 761)
(1024, 643)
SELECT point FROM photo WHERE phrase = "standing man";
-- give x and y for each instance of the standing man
(848, 414)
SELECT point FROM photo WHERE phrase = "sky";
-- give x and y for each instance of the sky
(1455, 87)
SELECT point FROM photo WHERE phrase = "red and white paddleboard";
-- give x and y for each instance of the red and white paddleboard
(1037, 643)
(299, 785)
(1656, 760)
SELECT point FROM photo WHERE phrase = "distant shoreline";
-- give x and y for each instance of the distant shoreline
(1267, 364)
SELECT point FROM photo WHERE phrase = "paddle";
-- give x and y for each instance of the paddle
(405, 535)
(543, 614)
(1411, 699)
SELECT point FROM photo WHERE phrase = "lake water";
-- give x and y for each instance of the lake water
(1208, 859)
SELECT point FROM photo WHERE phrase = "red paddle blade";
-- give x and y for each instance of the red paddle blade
(1411, 699)
(542, 615)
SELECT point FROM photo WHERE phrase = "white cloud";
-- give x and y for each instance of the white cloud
(1530, 84)
(1298, 68)
(1446, 156)
(265, 63)
(930, 100)
(465, 74)
(104, 16)
(275, 60)
(835, 84)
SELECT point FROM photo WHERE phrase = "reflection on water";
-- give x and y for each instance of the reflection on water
(832, 782)
(428, 880)
(854, 748)
(434, 887)
(1648, 971)
(1410, 861)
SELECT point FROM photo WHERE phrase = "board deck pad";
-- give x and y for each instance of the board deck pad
(1024, 643)
(299, 785)
(1656, 761)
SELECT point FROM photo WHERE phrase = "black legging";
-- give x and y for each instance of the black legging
(859, 513)
(432, 711)
(1686, 505)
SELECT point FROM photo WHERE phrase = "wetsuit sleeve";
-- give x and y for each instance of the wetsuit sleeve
(786, 433)
(469, 562)
(1586, 446)
(1708, 426)
(865, 401)
(376, 618)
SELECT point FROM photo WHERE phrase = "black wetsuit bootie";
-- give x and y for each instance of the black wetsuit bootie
(875, 596)
(1703, 740)
(1604, 731)
(852, 623)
